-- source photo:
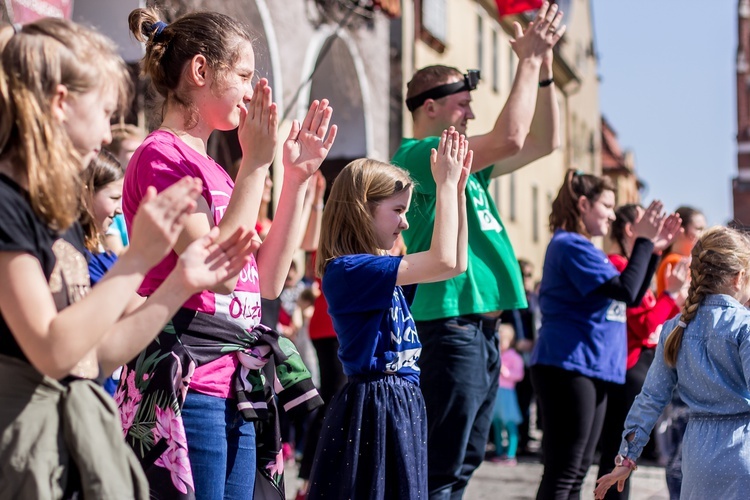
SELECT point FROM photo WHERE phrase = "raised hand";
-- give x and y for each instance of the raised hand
(670, 228)
(651, 222)
(540, 35)
(618, 475)
(447, 161)
(204, 263)
(258, 130)
(308, 144)
(160, 219)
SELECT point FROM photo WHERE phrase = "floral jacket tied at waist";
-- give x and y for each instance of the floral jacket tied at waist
(153, 388)
(48, 430)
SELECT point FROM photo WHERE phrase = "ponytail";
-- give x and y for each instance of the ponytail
(565, 213)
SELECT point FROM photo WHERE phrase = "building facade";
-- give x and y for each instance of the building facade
(307, 50)
(741, 183)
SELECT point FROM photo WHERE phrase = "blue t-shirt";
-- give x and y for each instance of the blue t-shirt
(99, 264)
(371, 316)
(118, 228)
(581, 331)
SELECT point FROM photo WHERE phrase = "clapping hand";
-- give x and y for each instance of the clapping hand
(205, 263)
(670, 228)
(650, 224)
(308, 144)
(160, 219)
(258, 130)
(540, 35)
(448, 161)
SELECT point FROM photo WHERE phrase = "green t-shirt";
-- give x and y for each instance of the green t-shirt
(493, 279)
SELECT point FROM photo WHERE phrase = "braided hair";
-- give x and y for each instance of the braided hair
(717, 258)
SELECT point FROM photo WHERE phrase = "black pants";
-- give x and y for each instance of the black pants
(619, 400)
(460, 366)
(332, 379)
(572, 407)
(525, 395)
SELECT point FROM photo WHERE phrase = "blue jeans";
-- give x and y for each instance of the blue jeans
(221, 447)
(460, 366)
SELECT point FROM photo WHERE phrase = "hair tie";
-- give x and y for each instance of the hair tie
(158, 27)
(579, 173)
(682, 324)
(17, 27)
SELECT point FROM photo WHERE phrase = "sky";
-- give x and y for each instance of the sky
(667, 87)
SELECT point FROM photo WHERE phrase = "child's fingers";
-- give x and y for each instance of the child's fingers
(462, 149)
(455, 145)
(324, 122)
(310, 114)
(294, 131)
(328, 144)
(441, 144)
(469, 159)
(434, 154)
(318, 117)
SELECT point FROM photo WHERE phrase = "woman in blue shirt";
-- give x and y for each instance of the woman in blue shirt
(582, 341)
(706, 357)
(374, 440)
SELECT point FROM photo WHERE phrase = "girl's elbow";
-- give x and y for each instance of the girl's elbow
(51, 366)
(270, 290)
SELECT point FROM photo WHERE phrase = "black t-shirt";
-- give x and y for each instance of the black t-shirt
(62, 257)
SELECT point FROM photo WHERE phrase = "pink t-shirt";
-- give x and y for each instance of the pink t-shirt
(160, 161)
(511, 369)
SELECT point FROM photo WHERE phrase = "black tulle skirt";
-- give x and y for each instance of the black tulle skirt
(373, 444)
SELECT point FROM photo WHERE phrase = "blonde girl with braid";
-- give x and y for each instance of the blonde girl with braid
(706, 357)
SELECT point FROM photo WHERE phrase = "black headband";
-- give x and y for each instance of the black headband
(470, 81)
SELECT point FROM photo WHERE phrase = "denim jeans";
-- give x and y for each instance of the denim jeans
(221, 447)
(460, 366)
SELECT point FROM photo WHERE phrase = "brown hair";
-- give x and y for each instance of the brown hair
(347, 218)
(565, 214)
(686, 213)
(718, 256)
(624, 215)
(43, 55)
(103, 170)
(215, 36)
(430, 77)
(122, 132)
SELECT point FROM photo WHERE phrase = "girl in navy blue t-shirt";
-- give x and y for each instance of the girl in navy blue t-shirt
(374, 440)
(582, 341)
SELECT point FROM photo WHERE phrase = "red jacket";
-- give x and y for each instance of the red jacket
(645, 320)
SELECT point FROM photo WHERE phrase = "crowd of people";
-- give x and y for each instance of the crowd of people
(161, 336)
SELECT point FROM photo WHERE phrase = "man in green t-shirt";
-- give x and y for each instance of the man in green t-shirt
(456, 318)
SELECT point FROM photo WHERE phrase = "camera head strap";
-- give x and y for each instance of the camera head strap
(470, 81)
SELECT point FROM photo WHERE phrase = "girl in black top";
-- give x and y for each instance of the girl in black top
(60, 84)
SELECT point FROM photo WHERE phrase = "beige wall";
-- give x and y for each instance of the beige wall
(524, 197)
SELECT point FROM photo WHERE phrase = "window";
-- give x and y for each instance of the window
(480, 43)
(495, 63)
(433, 23)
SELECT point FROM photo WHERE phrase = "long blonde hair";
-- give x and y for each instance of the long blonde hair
(347, 218)
(35, 60)
(717, 257)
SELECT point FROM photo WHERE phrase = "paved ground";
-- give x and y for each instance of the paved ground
(493, 482)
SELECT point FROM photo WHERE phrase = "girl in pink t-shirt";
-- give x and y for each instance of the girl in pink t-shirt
(205, 361)
(507, 414)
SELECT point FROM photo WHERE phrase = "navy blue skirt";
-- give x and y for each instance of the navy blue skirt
(373, 443)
